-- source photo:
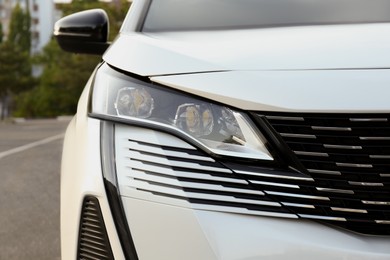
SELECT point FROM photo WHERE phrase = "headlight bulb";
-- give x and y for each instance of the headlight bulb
(136, 102)
(195, 119)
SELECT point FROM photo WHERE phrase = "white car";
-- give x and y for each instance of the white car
(231, 130)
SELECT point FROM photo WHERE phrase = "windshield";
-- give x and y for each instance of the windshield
(183, 15)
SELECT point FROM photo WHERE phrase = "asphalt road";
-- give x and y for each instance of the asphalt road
(30, 154)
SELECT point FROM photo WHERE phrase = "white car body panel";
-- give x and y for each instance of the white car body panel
(291, 91)
(292, 48)
(209, 235)
(81, 175)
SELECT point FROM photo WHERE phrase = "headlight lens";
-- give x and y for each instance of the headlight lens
(135, 102)
(219, 129)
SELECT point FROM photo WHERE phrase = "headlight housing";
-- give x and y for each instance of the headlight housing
(218, 129)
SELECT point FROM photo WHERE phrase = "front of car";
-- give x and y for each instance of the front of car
(234, 130)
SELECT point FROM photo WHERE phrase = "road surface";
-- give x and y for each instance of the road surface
(30, 154)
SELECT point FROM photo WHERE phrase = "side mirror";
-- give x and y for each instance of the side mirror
(83, 32)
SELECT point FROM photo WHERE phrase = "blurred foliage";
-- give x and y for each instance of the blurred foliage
(15, 69)
(65, 74)
(1, 33)
(60, 85)
(15, 62)
(19, 29)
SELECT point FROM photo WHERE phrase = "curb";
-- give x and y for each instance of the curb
(20, 120)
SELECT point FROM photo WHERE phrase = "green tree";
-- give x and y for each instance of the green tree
(19, 29)
(60, 85)
(65, 74)
(15, 62)
(15, 72)
(1, 33)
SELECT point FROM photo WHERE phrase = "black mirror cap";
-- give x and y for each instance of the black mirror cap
(83, 32)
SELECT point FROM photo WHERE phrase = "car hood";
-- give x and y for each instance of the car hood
(338, 68)
(336, 91)
(359, 46)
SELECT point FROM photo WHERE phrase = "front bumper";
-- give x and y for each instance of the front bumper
(162, 231)
(166, 227)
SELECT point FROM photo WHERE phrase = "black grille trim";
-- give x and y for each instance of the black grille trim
(348, 157)
(93, 239)
(112, 190)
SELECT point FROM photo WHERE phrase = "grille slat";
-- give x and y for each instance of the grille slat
(168, 173)
(193, 164)
(93, 238)
(137, 175)
(349, 153)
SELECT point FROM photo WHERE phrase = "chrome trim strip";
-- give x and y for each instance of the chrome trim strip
(335, 190)
(330, 128)
(386, 222)
(379, 203)
(298, 136)
(348, 147)
(363, 211)
(368, 119)
(288, 204)
(385, 175)
(380, 156)
(374, 138)
(275, 184)
(321, 217)
(296, 195)
(311, 154)
(274, 176)
(287, 118)
(354, 165)
(368, 184)
(324, 172)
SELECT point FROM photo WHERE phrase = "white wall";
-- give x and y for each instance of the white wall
(42, 13)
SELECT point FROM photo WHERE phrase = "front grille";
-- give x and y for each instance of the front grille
(93, 239)
(347, 158)
(159, 167)
(162, 166)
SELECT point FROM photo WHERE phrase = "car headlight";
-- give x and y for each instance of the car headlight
(218, 129)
